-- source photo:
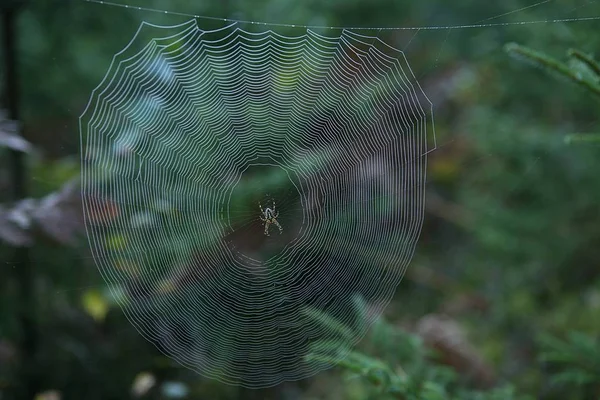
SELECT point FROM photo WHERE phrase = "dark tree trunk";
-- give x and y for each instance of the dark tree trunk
(27, 385)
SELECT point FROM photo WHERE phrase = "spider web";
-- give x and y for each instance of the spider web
(192, 132)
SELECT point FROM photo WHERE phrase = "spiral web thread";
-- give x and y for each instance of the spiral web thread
(192, 131)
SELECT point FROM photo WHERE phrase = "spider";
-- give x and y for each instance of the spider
(269, 217)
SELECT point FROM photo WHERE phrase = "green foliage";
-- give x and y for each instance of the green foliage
(581, 68)
(409, 372)
(574, 363)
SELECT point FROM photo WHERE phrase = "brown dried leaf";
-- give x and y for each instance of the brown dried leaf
(7, 352)
(15, 224)
(466, 303)
(447, 337)
(57, 215)
(101, 211)
(9, 136)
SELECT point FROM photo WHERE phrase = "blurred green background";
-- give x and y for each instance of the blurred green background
(502, 298)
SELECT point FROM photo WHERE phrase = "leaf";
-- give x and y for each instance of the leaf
(101, 211)
(15, 224)
(143, 382)
(117, 242)
(9, 136)
(592, 64)
(175, 390)
(577, 358)
(433, 391)
(57, 215)
(49, 395)
(575, 377)
(334, 325)
(95, 305)
(549, 64)
(446, 336)
(582, 138)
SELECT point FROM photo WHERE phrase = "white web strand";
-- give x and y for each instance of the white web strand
(187, 131)
(480, 24)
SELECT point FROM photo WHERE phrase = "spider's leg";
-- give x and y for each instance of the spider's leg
(267, 228)
(277, 225)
